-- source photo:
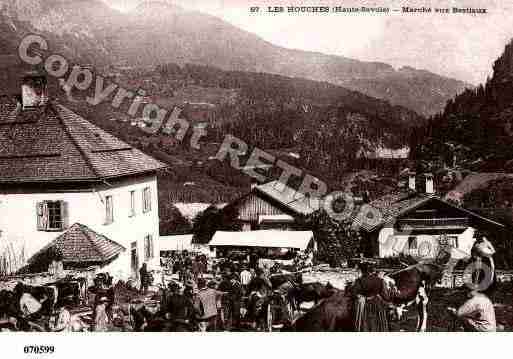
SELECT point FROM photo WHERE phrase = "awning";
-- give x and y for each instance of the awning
(266, 239)
(276, 218)
(176, 243)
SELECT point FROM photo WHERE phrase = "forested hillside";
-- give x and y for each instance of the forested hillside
(475, 130)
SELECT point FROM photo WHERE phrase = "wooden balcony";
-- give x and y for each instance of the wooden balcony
(433, 223)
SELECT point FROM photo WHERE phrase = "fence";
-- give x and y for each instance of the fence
(339, 278)
(458, 278)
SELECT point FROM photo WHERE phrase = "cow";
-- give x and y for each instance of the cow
(335, 313)
(311, 292)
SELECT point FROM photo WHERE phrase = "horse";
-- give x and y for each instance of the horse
(412, 284)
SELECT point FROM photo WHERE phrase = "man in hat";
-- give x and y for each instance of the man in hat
(371, 293)
(236, 299)
(181, 310)
(208, 302)
(229, 298)
(139, 315)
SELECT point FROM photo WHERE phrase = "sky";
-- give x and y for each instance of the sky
(460, 46)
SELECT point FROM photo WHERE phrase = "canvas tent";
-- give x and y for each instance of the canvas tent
(265, 238)
(182, 242)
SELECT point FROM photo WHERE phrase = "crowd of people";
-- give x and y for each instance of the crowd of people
(225, 295)
(206, 296)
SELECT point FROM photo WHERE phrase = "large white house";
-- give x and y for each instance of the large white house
(57, 169)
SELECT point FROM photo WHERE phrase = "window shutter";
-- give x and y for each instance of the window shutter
(152, 252)
(64, 215)
(146, 247)
(45, 218)
(39, 216)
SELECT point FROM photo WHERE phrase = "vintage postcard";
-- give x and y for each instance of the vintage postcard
(255, 166)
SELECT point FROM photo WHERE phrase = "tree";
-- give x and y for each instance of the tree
(213, 219)
(336, 240)
(172, 221)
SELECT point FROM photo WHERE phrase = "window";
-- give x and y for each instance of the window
(52, 215)
(146, 200)
(448, 241)
(148, 247)
(109, 210)
(132, 204)
(412, 242)
(453, 241)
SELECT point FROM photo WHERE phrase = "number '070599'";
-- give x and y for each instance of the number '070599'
(39, 349)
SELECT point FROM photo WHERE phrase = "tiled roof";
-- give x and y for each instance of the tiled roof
(80, 244)
(55, 144)
(388, 207)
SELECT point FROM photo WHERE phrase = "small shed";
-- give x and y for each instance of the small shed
(78, 247)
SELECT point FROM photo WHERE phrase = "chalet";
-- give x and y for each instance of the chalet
(272, 205)
(380, 157)
(419, 224)
(57, 169)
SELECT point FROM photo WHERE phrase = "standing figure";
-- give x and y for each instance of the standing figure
(182, 310)
(370, 294)
(61, 321)
(101, 319)
(208, 300)
(245, 279)
(144, 277)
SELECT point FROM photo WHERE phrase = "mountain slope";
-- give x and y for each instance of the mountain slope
(156, 33)
(475, 131)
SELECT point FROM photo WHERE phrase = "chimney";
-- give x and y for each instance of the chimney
(411, 181)
(430, 188)
(253, 184)
(34, 92)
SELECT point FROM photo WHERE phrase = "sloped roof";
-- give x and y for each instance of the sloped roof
(475, 181)
(80, 244)
(388, 207)
(288, 197)
(266, 239)
(191, 210)
(391, 206)
(53, 143)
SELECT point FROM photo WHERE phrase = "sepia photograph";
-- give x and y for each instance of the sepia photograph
(254, 167)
